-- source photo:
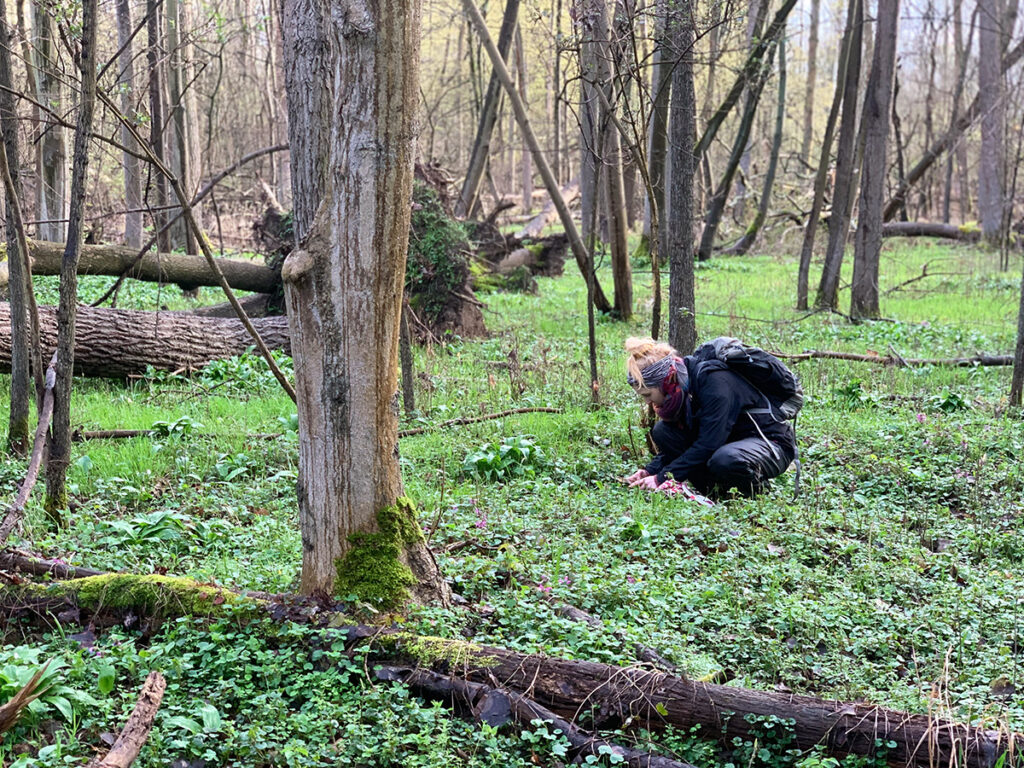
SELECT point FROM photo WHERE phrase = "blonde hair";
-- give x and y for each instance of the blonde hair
(643, 352)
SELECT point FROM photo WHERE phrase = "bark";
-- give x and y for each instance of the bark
(755, 25)
(961, 55)
(877, 116)
(991, 107)
(750, 235)
(897, 135)
(679, 213)
(117, 343)
(59, 445)
(488, 117)
(929, 229)
(352, 109)
(657, 134)
(824, 162)
(180, 119)
(185, 270)
(157, 139)
(20, 388)
(51, 158)
(949, 139)
(579, 250)
(812, 77)
(617, 226)
(525, 163)
(715, 210)
(1017, 379)
(132, 168)
(408, 368)
(135, 732)
(842, 197)
(592, 29)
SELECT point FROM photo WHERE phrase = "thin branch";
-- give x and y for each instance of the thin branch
(963, 362)
(475, 419)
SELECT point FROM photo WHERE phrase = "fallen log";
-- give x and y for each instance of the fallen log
(607, 696)
(961, 362)
(549, 212)
(16, 561)
(117, 343)
(495, 707)
(135, 732)
(184, 270)
(930, 229)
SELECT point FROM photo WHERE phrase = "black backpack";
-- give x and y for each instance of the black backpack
(763, 371)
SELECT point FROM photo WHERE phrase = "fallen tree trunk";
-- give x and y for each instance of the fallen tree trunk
(608, 696)
(117, 343)
(961, 362)
(549, 212)
(136, 730)
(929, 229)
(186, 271)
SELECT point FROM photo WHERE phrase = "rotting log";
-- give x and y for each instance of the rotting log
(929, 229)
(117, 343)
(16, 561)
(607, 696)
(184, 270)
(136, 730)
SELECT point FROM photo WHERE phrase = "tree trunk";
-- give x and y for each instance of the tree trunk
(592, 30)
(961, 55)
(897, 135)
(59, 443)
(877, 112)
(755, 23)
(132, 168)
(679, 213)
(117, 343)
(812, 77)
(1017, 379)
(51, 160)
(18, 431)
(750, 235)
(824, 162)
(525, 162)
(187, 271)
(352, 80)
(181, 147)
(929, 229)
(992, 109)
(488, 117)
(657, 134)
(154, 60)
(842, 197)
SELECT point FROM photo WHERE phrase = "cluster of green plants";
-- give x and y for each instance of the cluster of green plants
(891, 578)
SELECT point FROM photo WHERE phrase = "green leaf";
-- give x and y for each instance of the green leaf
(186, 723)
(212, 722)
(106, 680)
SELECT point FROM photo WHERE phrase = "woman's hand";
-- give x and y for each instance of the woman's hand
(649, 483)
(640, 474)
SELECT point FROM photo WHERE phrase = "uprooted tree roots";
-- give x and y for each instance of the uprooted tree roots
(601, 695)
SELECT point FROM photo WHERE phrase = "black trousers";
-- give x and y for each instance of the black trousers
(744, 465)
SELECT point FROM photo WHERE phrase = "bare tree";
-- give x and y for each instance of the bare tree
(132, 168)
(991, 90)
(51, 157)
(351, 75)
(876, 118)
(812, 77)
(59, 443)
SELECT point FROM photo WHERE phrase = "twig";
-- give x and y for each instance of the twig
(475, 419)
(136, 730)
(80, 436)
(963, 362)
(17, 509)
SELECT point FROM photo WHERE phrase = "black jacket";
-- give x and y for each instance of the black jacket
(714, 415)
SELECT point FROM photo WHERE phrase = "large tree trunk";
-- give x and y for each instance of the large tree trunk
(877, 110)
(132, 168)
(187, 271)
(488, 117)
(18, 433)
(59, 444)
(992, 109)
(181, 143)
(51, 158)
(154, 59)
(117, 343)
(961, 55)
(843, 193)
(682, 319)
(352, 78)
(824, 161)
(657, 133)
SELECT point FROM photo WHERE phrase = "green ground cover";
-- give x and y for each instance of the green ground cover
(894, 577)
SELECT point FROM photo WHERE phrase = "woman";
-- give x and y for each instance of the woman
(713, 428)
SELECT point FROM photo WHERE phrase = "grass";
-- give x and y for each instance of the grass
(894, 577)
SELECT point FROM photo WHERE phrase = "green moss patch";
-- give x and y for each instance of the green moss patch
(149, 595)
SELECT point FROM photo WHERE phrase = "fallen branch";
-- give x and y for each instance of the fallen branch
(16, 560)
(136, 730)
(963, 362)
(475, 419)
(17, 509)
(929, 229)
(924, 273)
(496, 706)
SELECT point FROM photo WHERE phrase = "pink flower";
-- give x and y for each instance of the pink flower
(921, 418)
(631, 579)
(565, 580)
(544, 588)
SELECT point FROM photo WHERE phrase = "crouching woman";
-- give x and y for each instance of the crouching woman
(714, 430)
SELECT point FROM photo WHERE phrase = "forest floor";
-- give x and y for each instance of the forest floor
(895, 577)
